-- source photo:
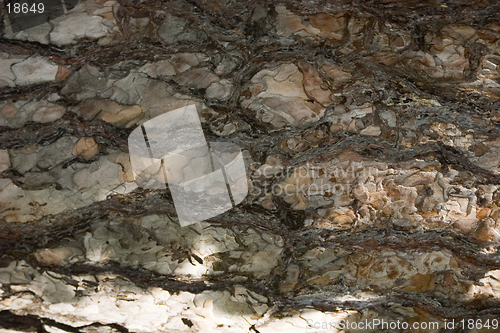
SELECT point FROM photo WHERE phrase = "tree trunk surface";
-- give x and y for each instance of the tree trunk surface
(369, 132)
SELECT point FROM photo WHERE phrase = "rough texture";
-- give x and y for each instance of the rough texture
(371, 140)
